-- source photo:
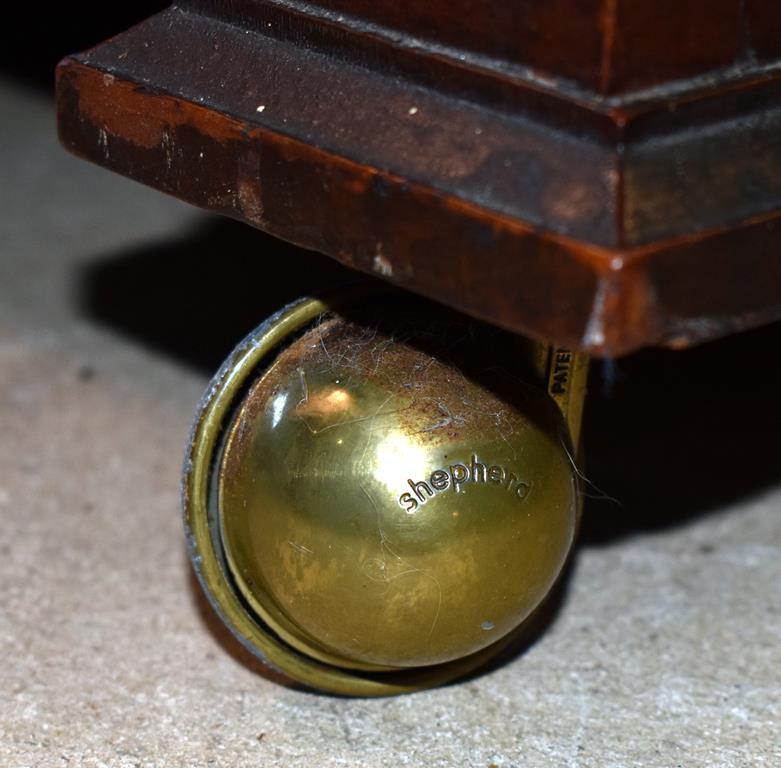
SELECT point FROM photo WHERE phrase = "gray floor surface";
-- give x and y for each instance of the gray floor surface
(666, 650)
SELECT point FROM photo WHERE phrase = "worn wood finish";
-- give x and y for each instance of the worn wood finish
(551, 206)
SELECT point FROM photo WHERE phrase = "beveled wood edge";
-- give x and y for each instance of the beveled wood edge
(369, 40)
(658, 183)
(606, 302)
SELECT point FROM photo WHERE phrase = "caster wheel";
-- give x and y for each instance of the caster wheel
(378, 494)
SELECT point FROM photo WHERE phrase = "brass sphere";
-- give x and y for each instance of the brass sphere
(387, 494)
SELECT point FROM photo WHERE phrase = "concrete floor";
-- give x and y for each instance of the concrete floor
(115, 303)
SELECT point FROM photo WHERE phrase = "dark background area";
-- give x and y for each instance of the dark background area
(35, 36)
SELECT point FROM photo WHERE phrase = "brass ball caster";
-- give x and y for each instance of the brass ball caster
(379, 494)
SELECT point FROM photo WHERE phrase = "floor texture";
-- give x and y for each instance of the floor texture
(115, 303)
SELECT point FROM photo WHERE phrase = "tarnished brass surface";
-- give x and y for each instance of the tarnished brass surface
(393, 491)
